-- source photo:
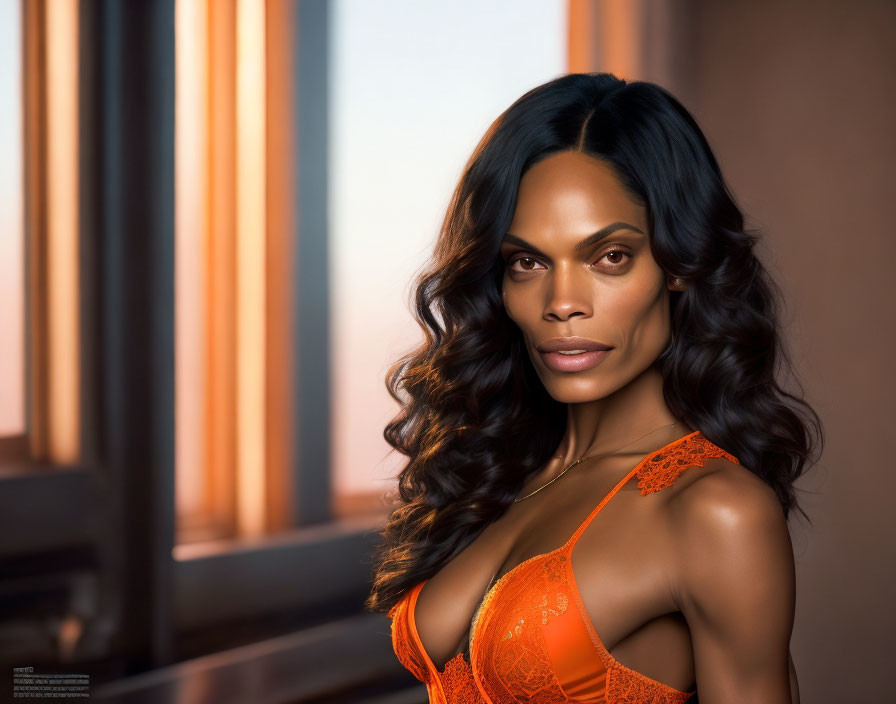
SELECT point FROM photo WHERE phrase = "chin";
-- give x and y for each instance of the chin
(581, 389)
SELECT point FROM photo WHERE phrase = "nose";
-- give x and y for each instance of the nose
(567, 293)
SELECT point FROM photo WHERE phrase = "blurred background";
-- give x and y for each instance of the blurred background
(210, 215)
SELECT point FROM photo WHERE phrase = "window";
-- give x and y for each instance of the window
(414, 87)
(40, 382)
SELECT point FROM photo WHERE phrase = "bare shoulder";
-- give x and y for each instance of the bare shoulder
(727, 543)
(723, 494)
(723, 509)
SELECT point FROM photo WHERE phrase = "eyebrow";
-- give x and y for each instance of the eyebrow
(584, 244)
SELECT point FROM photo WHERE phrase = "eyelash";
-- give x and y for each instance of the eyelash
(510, 262)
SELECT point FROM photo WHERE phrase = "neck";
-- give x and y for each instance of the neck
(608, 423)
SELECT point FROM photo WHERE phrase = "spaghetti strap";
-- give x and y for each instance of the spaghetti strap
(621, 483)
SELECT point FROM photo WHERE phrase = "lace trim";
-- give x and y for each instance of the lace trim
(661, 470)
(627, 686)
(403, 642)
(458, 684)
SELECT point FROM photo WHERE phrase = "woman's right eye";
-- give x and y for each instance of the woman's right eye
(527, 266)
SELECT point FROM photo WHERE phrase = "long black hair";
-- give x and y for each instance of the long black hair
(476, 421)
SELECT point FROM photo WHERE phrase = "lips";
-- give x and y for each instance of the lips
(572, 344)
(572, 354)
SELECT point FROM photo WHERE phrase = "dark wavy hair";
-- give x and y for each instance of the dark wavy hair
(476, 422)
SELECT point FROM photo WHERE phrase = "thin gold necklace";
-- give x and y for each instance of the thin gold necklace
(581, 459)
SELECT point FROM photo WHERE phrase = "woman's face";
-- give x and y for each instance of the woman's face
(578, 263)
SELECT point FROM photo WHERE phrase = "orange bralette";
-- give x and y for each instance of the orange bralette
(532, 639)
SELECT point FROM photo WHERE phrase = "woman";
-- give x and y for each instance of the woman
(601, 462)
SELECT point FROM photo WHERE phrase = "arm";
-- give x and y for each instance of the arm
(736, 587)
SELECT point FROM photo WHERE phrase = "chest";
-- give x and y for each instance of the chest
(617, 573)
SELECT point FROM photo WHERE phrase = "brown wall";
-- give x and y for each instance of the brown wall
(798, 100)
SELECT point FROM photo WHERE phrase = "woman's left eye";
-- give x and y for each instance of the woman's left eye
(617, 262)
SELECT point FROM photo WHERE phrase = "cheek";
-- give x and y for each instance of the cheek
(641, 315)
(523, 314)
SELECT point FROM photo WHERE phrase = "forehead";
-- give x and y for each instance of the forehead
(571, 194)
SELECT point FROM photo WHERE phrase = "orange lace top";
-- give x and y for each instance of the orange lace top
(532, 640)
